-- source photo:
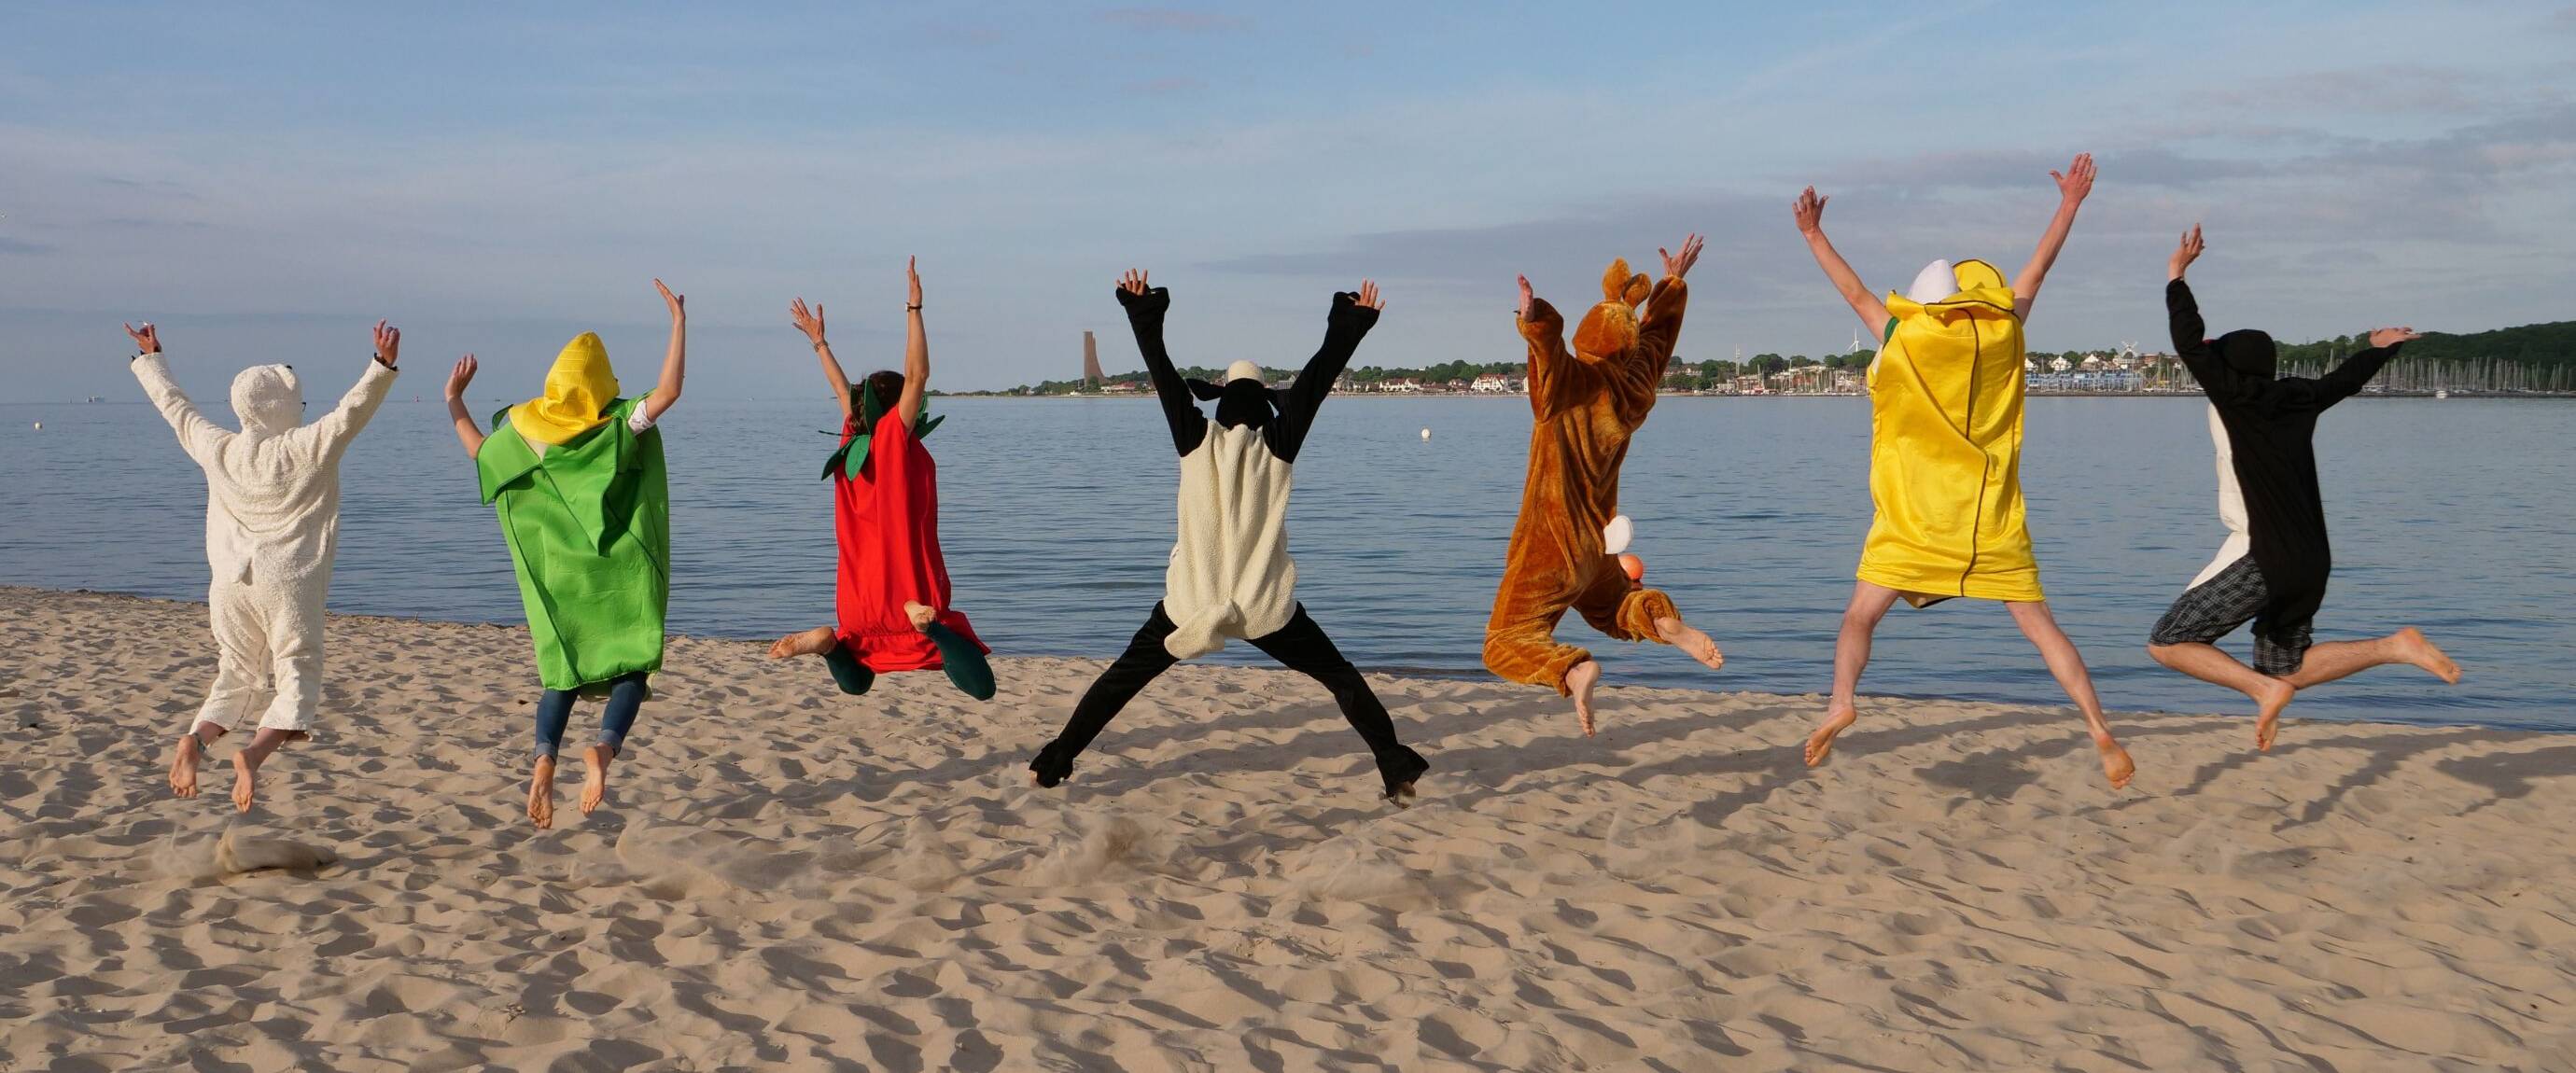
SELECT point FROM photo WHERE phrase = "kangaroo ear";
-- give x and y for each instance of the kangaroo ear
(1638, 288)
(1615, 280)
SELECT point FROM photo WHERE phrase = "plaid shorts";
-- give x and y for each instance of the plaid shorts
(2216, 607)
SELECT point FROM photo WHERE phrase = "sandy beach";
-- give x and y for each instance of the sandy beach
(789, 878)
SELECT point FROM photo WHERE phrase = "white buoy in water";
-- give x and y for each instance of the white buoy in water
(1426, 433)
(40, 426)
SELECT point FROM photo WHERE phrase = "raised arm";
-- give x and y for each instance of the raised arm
(1145, 305)
(1353, 314)
(916, 350)
(1550, 364)
(197, 436)
(467, 432)
(811, 323)
(2349, 378)
(2072, 187)
(675, 364)
(1659, 330)
(2182, 314)
(357, 407)
(1810, 214)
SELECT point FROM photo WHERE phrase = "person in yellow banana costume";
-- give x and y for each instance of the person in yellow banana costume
(1945, 459)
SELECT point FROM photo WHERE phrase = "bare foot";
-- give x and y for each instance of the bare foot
(921, 615)
(2420, 651)
(2116, 764)
(1692, 642)
(1839, 716)
(183, 765)
(1404, 796)
(541, 793)
(2268, 703)
(1579, 680)
(594, 777)
(245, 776)
(813, 642)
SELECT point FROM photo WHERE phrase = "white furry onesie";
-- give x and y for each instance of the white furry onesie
(272, 526)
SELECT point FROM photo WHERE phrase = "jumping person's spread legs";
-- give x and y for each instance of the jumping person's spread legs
(1580, 680)
(1869, 604)
(554, 713)
(962, 659)
(541, 792)
(1302, 646)
(2211, 664)
(190, 752)
(2067, 666)
(248, 758)
(2342, 659)
(813, 642)
(1144, 660)
(616, 720)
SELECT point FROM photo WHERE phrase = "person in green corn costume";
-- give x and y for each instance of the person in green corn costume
(576, 476)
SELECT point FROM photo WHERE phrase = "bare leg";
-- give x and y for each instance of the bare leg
(541, 793)
(2067, 666)
(2342, 659)
(1869, 604)
(1692, 642)
(191, 751)
(1579, 680)
(594, 777)
(813, 642)
(2211, 664)
(247, 760)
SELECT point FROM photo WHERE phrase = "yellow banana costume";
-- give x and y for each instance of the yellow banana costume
(1945, 448)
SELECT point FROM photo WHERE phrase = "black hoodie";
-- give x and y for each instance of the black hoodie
(2271, 424)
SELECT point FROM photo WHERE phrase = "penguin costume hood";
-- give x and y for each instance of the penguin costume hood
(2249, 352)
(1243, 399)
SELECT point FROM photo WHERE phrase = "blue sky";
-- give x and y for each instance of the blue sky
(266, 180)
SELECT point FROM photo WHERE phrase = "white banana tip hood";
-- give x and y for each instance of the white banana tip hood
(1937, 282)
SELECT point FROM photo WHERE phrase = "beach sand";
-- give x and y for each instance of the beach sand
(786, 877)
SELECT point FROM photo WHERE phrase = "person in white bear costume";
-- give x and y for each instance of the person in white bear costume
(272, 526)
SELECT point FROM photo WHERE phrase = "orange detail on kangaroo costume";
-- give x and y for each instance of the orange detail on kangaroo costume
(1588, 403)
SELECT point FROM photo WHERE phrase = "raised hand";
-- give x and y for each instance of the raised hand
(2186, 253)
(1809, 211)
(462, 375)
(388, 344)
(2076, 183)
(912, 280)
(2394, 336)
(1522, 310)
(1677, 267)
(147, 340)
(810, 323)
(1368, 296)
(1133, 282)
(678, 303)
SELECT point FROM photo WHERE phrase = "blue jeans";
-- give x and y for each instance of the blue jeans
(625, 699)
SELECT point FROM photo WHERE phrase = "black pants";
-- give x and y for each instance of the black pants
(1299, 646)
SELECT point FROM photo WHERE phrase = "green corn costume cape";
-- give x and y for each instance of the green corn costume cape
(589, 526)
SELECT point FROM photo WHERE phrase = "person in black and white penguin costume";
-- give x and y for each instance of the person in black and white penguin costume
(2272, 570)
(1230, 575)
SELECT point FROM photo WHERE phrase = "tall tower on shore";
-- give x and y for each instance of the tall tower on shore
(1091, 373)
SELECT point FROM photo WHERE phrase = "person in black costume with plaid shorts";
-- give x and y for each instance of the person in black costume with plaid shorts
(2272, 573)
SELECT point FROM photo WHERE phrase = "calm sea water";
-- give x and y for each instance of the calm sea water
(1057, 517)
